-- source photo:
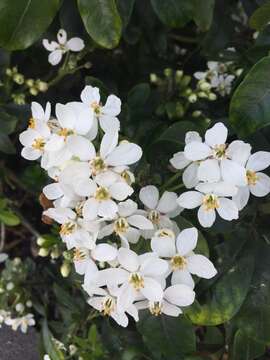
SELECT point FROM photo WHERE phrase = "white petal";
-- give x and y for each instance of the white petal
(201, 266)
(108, 143)
(192, 136)
(170, 310)
(128, 259)
(197, 151)
(55, 57)
(209, 171)
(190, 199)
(239, 151)
(112, 106)
(65, 116)
(126, 297)
(53, 191)
(216, 135)
(163, 246)
(227, 209)
(242, 197)
(221, 188)
(206, 218)
(107, 209)
(90, 209)
(83, 117)
(140, 222)
(80, 147)
(132, 235)
(180, 294)
(50, 46)
(124, 154)
(109, 123)
(85, 187)
(262, 186)
(90, 95)
(233, 172)
(55, 143)
(152, 290)
(28, 136)
(154, 267)
(111, 276)
(179, 161)
(29, 153)
(37, 110)
(106, 231)
(106, 178)
(259, 161)
(190, 176)
(182, 277)
(149, 196)
(75, 44)
(167, 202)
(127, 208)
(62, 36)
(121, 318)
(120, 191)
(187, 241)
(104, 252)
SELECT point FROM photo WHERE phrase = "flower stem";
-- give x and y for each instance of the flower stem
(170, 181)
(176, 187)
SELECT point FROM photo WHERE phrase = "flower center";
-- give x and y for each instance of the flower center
(67, 228)
(38, 144)
(154, 216)
(79, 255)
(252, 177)
(96, 107)
(219, 152)
(79, 208)
(155, 308)
(97, 165)
(137, 281)
(165, 233)
(121, 226)
(210, 202)
(32, 123)
(65, 132)
(108, 305)
(178, 262)
(102, 194)
(128, 177)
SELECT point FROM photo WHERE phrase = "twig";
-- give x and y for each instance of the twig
(3, 236)
(27, 224)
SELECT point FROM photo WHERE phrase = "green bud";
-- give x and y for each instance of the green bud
(43, 252)
(9, 72)
(65, 269)
(192, 98)
(18, 78)
(202, 95)
(196, 113)
(87, 65)
(179, 74)
(33, 91)
(40, 241)
(212, 97)
(185, 80)
(153, 78)
(42, 86)
(180, 111)
(239, 72)
(168, 72)
(204, 86)
(55, 253)
(30, 82)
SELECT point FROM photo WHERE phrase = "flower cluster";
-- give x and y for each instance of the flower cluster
(100, 223)
(222, 174)
(219, 77)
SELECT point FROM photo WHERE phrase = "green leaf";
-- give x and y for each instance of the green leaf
(249, 108)
(7, 123)
(228, 294)
(51, 349)
(167, 337)
(173, 13)
(102, 21)
(9, 218)
(6, 145)
(176, 133)
(138, 95)
(245, 348)
(261, 17)
(125, 8)
(203, 13)
(24, 21)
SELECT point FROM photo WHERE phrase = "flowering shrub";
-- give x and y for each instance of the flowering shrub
(118, 119)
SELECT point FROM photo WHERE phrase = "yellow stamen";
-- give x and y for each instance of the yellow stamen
(32, 123)
(108, 305)
(67, 228)
(155, 308)
(79, 255)
(97, 165)
(102, 193)
(220, 151)
(178, 262)
(65, 132)
(154, 216)
(137, 281)
(38, 144)
(121, 226)
(96, 107)
(252, 177)
(210, 202)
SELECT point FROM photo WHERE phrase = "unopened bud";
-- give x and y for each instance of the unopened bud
(212, 97)
(192, 98)
(168, 72)
(18, 79)
(43, 252)
(65, 269)
(40, 241)
(196, 113)
(33, 91)
(42, 86)
(8, 72)
(153, 78)
(204, 86)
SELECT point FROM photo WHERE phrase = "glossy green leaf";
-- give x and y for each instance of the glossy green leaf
(6, 145)
(176, 133)
(138, 95)
(228, 294)
(50, 348)
(245, 348)
(261, 17)
(24, 21)
(125, 8)
(167, 337)
(173, 13)
(203, 13)
(249, 108)
(7, 123)
(102, 21)
(9, 218)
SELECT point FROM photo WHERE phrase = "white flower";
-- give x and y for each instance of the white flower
(223, 84)
(3, 257)
(137, 276)
(182, 260)
(258, 183)
(106, 303)
(23, 322)
(46, 357)
(159, 210)
(179, 161)
(58, 49)
(127, 223)
(173, 297)
(218, 161)
(211, 197)
(103, 196)
(38, 133)
(105, 115)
